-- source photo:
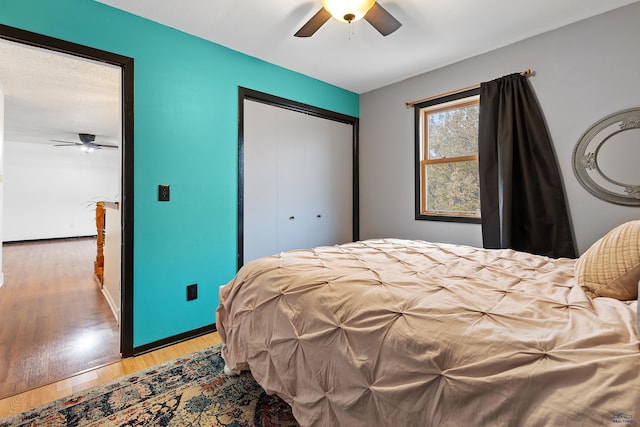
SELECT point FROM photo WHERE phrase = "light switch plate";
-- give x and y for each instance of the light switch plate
(163, 193)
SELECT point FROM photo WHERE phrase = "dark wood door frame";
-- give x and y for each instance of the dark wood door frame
(126, 65)
(254, 95)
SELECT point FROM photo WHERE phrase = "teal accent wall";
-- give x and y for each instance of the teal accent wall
(186, 119)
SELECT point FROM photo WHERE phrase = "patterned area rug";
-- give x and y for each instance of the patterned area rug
(190, 391)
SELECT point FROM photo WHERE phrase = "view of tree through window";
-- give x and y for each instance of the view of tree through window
(448, 159)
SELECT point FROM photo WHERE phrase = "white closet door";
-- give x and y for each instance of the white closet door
(298, 181)
(293, 198)
(260, 181)
(329, 177)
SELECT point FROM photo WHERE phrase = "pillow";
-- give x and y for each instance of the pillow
(611, 266)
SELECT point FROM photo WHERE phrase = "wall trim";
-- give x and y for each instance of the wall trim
(48, 239)
(137, 351)
(112, 305)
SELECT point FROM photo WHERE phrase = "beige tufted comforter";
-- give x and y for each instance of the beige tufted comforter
(408, 333)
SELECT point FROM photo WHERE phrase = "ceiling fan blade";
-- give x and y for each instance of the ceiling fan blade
(64, 143)
(314, 23)
(382, 20)
(104, 146)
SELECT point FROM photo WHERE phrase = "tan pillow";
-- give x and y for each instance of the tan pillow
(611, 266)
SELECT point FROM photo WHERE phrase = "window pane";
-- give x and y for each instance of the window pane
(453, 132)
(453, 188)
(446, 150)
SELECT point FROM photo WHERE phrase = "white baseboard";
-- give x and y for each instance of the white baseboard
(112, 305)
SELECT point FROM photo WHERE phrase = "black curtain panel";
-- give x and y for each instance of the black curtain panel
(522, 199)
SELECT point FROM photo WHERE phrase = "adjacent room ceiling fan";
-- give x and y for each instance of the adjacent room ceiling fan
(350, 11)
(87, 143)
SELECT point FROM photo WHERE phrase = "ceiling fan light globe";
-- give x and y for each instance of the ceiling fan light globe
(348, 10)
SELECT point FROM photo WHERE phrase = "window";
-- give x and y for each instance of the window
(447, 182)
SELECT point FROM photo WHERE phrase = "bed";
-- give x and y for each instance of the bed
(391, 332)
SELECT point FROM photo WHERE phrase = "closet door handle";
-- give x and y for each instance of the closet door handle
(291, 218)
(318, 216)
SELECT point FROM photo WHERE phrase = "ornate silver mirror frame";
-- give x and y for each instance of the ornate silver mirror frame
(606, 159)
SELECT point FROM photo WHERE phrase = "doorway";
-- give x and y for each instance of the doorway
(123, 138)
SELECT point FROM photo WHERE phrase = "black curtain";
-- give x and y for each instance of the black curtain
(522, 199)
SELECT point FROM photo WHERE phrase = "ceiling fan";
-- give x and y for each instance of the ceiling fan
(87, 143)
(350, 11)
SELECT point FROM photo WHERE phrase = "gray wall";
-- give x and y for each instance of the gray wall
(583, 72)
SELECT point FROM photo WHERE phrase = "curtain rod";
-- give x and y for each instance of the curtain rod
(525, 73)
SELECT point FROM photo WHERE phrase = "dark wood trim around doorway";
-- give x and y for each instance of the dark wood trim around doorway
(126, 64)
(254, 95)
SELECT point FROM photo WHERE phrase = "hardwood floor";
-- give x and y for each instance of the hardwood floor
(30, 399)
(54, 320)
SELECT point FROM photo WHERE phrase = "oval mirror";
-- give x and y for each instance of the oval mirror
(606, 157)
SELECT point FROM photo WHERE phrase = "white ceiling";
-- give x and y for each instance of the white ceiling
(53, 96)
(434, 33)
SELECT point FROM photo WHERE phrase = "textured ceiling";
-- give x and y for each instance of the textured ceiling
(49, 95)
